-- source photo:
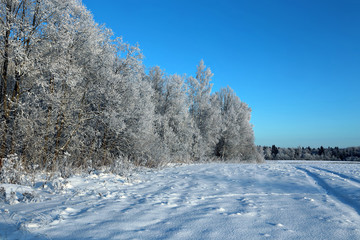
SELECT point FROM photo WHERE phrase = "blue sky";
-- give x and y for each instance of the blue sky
(295, 62)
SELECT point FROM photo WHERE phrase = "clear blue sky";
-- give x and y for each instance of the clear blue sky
(295, 62)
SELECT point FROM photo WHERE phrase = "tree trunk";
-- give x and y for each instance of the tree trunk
(48, 123)
(4, 96)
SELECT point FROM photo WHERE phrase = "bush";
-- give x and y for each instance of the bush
(12, 170)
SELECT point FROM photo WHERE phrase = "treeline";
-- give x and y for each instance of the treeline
(74, 96)
(308, 153)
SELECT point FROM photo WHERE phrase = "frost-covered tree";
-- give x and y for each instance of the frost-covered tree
(205, 117)
(66, 51)
(55, 64)
(236, 135)
(267, 153)
(74, 96)
(129, 109)
(25, 40)
(173, 124)
(21, 31)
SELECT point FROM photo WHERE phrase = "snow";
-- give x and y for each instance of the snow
(275, 200)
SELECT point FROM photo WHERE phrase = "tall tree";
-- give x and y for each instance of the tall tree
(236, 134)
(172, 121)
(204, 115)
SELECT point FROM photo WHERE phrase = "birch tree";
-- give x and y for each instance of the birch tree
(203, 114)
(236, 139)
(173, 124)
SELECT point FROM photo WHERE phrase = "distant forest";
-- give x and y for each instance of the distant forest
(308, 153)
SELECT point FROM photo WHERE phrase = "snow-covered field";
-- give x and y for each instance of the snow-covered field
(276, 200)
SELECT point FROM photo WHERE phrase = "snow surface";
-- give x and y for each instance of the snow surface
(276, 200)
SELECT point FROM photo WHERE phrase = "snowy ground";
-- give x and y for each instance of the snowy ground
(276, 200)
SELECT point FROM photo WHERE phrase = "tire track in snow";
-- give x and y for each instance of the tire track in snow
(353, 181)
(332, 192)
